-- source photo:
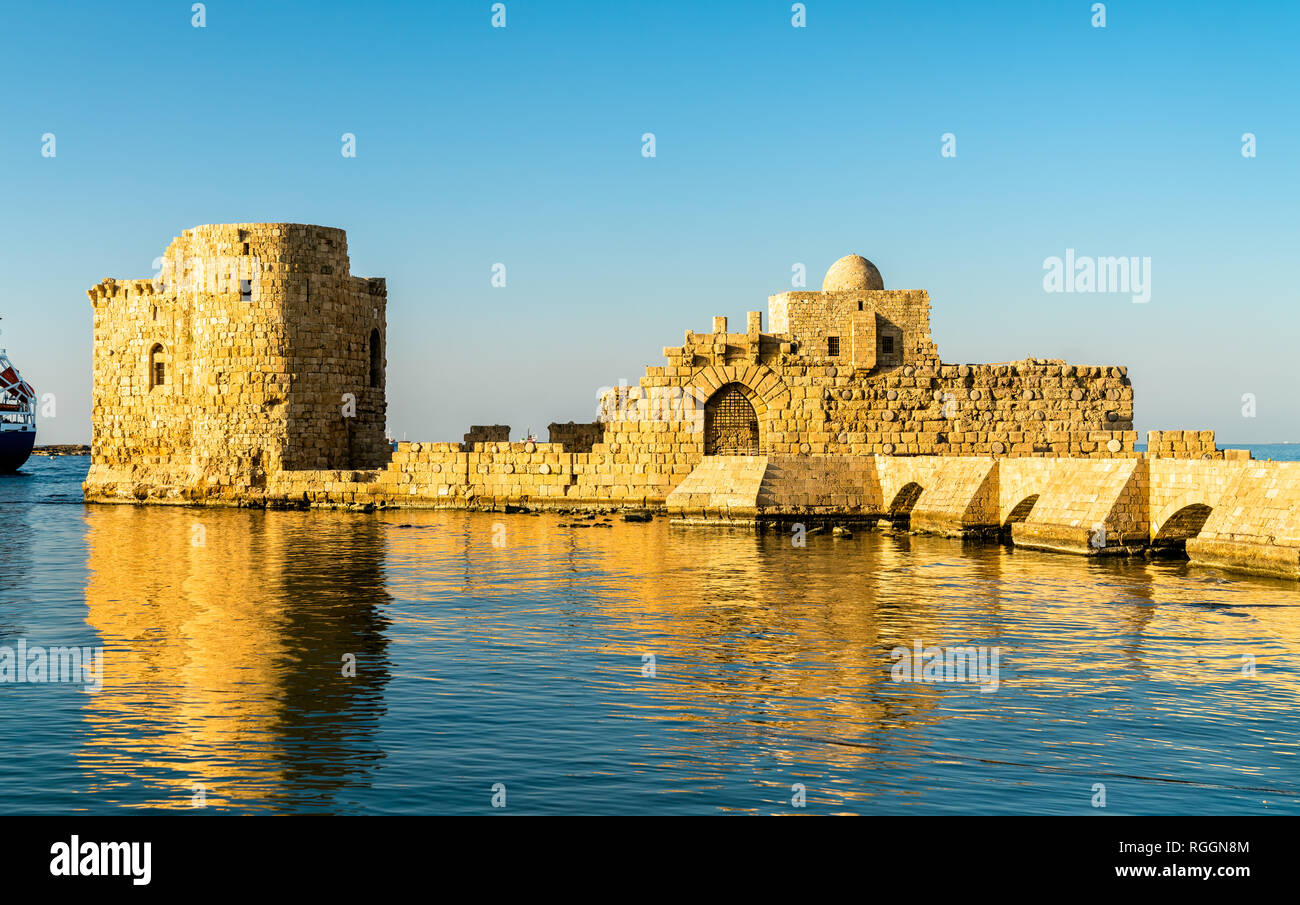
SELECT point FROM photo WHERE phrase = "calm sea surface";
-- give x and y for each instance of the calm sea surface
(225, 635)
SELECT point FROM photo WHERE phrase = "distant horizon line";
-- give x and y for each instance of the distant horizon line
(1224, 444)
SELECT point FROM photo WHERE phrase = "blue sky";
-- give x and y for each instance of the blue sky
(775, 145)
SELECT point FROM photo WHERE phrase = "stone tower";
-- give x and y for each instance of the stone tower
(252, 351)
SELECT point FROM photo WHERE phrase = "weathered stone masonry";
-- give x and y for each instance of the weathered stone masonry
(269, 389)
(253, 352)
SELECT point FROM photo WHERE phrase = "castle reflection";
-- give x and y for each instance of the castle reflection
(225, 635)
(795, 641)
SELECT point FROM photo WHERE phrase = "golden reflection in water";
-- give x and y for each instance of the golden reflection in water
(735, 621)
(224, 634)
(799, 639)
(223, 656)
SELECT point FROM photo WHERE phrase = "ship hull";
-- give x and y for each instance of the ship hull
(15, 447)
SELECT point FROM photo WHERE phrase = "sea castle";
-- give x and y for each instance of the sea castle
(251, 371)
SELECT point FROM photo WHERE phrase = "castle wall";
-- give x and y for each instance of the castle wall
(132, 421)
(1253, 525)
(1183, 445)
(810, 403)
(576, 436)
(255, 368)
(334, 415)
(239, 349)
(488, 433)
(268, 388)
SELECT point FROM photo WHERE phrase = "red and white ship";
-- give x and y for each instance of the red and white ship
(17, 416)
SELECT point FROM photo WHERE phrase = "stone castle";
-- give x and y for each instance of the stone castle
(251, 371)
(220, 368)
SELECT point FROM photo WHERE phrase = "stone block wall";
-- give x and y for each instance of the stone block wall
(133, 420)
(1256, 525)
(1088, 506)
(1182, 445)
(808, 320)
(488, 433)
(855, 372)
(576, 436)
(810, 406)
(722, 487)
(259, 374)
(336, 412)
(819, 485)
(1180, 485)
(961, 498)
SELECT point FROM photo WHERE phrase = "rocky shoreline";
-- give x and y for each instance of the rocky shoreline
(66, 449)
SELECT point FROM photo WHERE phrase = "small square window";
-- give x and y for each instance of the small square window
(245, 290)
(833, 346)
(887, 345)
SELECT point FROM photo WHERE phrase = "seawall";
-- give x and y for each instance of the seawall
(1230, 513)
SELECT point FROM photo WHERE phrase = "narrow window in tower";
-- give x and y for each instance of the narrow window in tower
(376, 359)
(245, 290)
(887, 345)
(157, 367)
(833, 346)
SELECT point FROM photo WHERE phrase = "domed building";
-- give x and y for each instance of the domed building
(852, 370)
(855, 320)
(852, 272)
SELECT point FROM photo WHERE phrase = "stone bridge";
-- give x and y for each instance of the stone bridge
(1232, 513)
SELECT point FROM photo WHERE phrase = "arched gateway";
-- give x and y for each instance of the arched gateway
(730, 423)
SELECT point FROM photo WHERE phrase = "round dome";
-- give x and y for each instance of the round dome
(852, 272)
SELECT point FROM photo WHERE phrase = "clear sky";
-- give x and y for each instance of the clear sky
(775, 145)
